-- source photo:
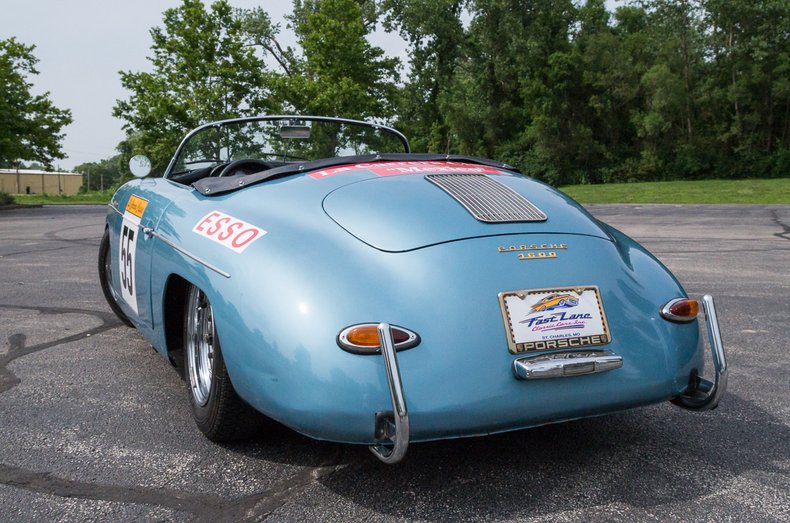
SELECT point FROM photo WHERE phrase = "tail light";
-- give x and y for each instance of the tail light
(363, 338)
(680, 310)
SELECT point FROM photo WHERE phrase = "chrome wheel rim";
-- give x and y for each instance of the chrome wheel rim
(200, 345)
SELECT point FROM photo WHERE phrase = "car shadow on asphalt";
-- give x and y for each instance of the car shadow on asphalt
(641, 458)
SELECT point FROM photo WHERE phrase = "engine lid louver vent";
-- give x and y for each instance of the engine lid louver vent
(487, 199)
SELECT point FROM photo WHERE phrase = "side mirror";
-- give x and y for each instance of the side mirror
(140, 166)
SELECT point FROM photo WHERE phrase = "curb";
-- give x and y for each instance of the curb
(18, 206)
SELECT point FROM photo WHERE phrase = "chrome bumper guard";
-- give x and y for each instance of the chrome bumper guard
(565, 364)
(394, 441)
(704, 394)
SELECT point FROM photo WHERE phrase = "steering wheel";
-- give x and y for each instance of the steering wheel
(217, 168)
(243, 165)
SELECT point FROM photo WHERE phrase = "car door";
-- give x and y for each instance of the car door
(140, 205)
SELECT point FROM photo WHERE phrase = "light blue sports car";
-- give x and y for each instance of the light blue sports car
(314, 271)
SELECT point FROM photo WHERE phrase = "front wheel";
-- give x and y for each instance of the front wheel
(218, 411)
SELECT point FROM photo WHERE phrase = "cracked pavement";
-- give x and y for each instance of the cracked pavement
(94, 425)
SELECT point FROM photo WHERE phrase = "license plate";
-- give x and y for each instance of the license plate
(554, 319)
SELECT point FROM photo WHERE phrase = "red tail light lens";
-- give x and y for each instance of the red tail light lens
(364, 338)
(682, 310)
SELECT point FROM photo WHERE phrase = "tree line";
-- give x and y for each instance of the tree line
(31, 126)
(568, 91)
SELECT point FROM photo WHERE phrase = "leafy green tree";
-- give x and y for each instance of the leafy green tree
(716, 96)
(612, 55)
(668, 122)
(100, 175)
(260, 32)
(748, 85)
(202, 71)
(517, 68)
(339, 72)
(436, 39)
(566, 90)
(30, 126)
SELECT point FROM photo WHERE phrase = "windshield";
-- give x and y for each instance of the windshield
(283, 140)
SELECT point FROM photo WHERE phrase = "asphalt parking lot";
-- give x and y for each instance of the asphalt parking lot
(94, 425)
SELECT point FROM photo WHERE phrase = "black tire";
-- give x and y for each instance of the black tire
(219, 412)
(105, 277)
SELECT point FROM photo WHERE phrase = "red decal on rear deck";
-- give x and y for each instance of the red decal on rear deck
(395, 168)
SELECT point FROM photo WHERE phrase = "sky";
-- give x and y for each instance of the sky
(83, 44)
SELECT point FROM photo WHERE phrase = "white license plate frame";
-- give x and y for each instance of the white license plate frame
(554, 318)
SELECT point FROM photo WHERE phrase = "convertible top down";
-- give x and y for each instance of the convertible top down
(315, 271)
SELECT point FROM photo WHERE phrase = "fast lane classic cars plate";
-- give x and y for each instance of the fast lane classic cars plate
(315, 272)
(554, 319)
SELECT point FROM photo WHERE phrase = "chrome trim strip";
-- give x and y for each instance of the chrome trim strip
(114, 208)
(565, 364)
(706, 395)
(152, 233)
(400, 442)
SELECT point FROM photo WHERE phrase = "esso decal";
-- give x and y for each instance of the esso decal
(228, 231)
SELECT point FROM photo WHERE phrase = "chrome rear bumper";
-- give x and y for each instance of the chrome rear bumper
(392, 428)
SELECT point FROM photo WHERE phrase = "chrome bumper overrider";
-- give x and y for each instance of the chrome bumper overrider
(705, 395)
(394, 441)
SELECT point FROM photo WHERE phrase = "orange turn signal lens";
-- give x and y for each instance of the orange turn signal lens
(681, 310)
(364, 335)
(364, 338)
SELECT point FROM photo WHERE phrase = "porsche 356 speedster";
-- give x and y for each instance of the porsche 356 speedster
(314, 271)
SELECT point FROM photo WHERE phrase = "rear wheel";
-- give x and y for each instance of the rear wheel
(105, 277)
(218, 411)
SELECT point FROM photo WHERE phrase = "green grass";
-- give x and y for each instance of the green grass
(101, 197)
(705, 191)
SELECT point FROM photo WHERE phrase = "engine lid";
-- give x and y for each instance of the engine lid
(410, 211)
